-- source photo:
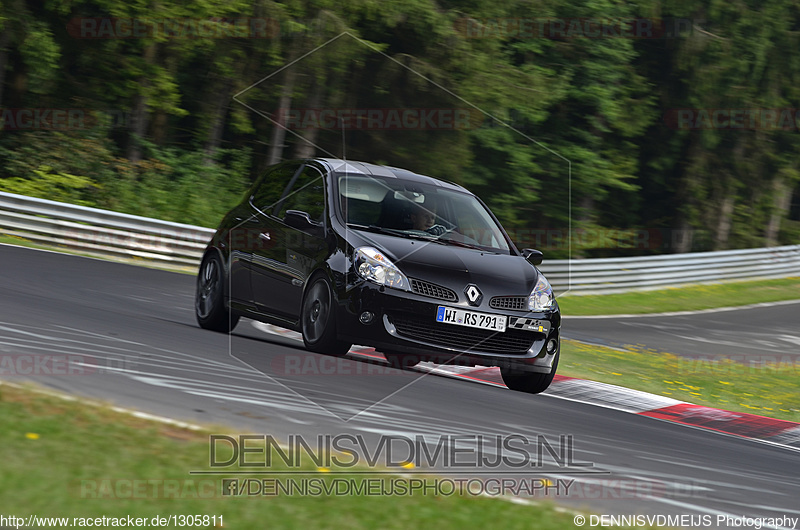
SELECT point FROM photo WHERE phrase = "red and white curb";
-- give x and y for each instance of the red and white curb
(751, 426)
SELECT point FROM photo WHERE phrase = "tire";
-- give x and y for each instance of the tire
(532, 383)
(401, 360)
(318, 320)
(209, 302)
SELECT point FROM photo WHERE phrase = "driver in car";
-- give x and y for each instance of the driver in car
(424, 219)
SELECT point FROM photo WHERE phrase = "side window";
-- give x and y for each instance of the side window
(307, 195)
(272, 186)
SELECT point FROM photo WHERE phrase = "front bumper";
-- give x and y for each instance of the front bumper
(405, 322)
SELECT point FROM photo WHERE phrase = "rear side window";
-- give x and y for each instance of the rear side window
(272, 187)
(307, 194)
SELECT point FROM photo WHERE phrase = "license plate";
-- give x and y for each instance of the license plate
(470, 319)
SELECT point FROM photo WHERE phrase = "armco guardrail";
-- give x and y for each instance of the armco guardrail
(608, 275)
(102, 232)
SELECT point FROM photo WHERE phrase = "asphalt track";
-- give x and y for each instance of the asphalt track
(767, 333)
(134, 331)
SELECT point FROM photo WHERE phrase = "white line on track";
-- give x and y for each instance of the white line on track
(684, 313)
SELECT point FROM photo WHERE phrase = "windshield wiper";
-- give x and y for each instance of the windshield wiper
(382, 230)
(371, 228)
(414, 235)
(460, 244)
(393, 232)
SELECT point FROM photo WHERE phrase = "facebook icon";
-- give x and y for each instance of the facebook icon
(230, 486)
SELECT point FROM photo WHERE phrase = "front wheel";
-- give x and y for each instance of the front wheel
(209, 301)
(318, 320)
(532, 383)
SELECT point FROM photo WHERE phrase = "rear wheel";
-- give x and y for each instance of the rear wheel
(532, 383)
(209, 302)
(318, 320)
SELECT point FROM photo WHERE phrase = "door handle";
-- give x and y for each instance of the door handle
(265, 236)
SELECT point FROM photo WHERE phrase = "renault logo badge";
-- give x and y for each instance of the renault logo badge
(474, 295)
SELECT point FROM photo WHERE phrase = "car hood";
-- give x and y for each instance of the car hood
(456, 267)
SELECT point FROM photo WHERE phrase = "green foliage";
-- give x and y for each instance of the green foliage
(45, 184)
(41, 55)
(172, 184)
(179, 186)
(87, 155)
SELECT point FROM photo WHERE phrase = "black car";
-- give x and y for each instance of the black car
(355, 253)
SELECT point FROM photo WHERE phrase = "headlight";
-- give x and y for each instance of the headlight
(541, 299)
(375, 267)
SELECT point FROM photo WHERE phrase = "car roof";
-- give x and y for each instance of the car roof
(352, 166)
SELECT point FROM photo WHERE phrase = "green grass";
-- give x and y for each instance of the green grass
(22, 242)
(689, 298)
(55, 450)
(770, 390)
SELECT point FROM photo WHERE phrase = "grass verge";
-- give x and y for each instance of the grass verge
(62, 455)
(771, 389)
(690, 298)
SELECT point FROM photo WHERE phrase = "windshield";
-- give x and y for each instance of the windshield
(411, 209)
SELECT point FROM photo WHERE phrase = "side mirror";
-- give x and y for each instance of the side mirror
(533, 256)
(300, 220)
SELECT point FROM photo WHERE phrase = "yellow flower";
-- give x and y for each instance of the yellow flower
(31, 436)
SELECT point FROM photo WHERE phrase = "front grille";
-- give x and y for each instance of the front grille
(514, 303)
(433, 291)
(511, 342)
